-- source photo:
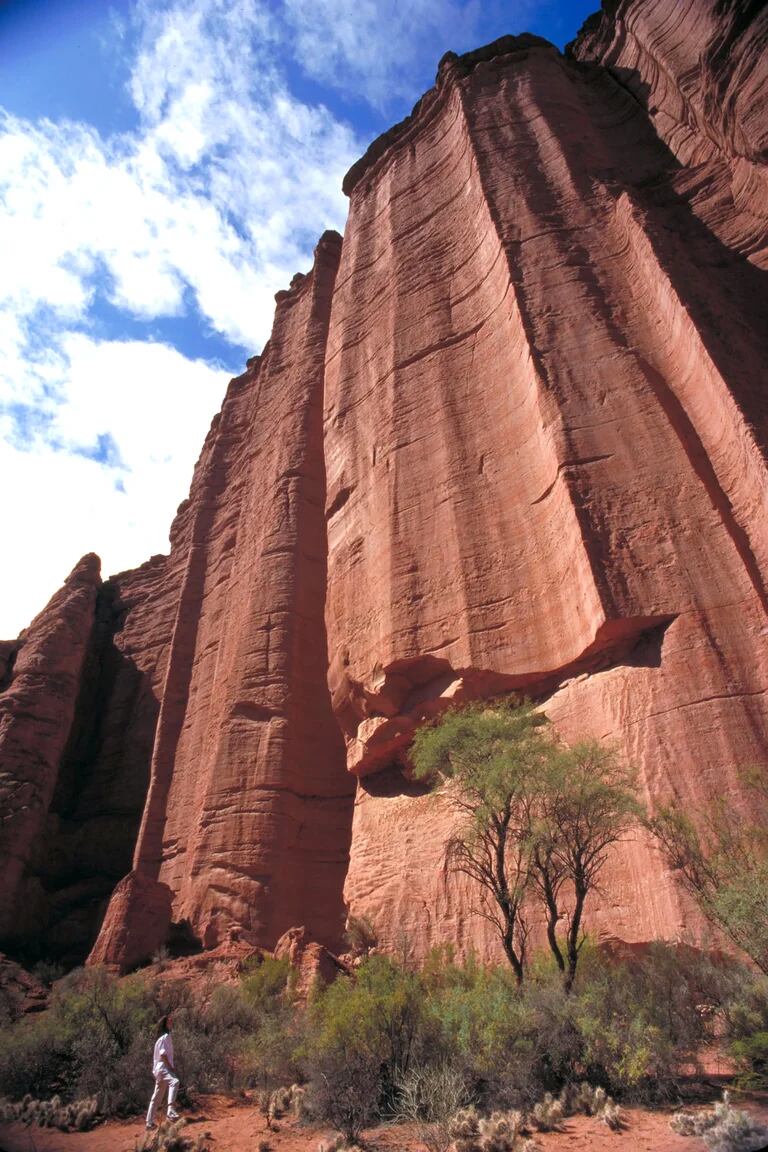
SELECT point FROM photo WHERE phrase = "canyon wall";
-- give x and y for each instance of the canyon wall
(247, 820)
(545, 440)
(510, 436)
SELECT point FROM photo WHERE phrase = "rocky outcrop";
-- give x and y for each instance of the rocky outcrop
(511, 437)
(86, 818)
(136, 924)
(20, 992)
(312, 965)
(546, 459)
(41, 685)
(697, 68)
(248, 812)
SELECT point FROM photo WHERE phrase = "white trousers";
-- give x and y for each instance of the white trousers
(164, 1080)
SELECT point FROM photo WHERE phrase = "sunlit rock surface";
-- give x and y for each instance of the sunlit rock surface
(509, 437)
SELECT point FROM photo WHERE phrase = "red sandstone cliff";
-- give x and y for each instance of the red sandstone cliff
(40, 688)
(540, 355)
(248, 810)
(545, 436)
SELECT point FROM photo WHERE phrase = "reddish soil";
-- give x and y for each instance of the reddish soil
(237, 1127)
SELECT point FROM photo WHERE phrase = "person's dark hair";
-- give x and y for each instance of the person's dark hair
(162, 1026)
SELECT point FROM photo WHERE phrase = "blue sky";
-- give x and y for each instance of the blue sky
(165, 167)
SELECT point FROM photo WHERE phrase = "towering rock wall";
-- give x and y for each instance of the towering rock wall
(531, 382)
(545, 436)
(79, 705)
(247, 817)
(40, 688)
(697, 68)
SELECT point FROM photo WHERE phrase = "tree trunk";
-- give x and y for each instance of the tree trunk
(572, 939)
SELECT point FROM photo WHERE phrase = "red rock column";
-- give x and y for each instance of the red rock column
(247, 821)
(37, 707)
(544, 467)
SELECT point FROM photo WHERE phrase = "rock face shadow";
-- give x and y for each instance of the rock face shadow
(88, 838)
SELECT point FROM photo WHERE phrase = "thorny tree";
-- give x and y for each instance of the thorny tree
(721, 856)
(537, 819)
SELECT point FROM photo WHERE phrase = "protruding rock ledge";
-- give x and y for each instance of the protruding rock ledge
(412, 692)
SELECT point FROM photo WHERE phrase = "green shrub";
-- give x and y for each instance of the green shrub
(645, 1020)
(371, 1022)
(345, 1089)
(390, 1040)
(746, 1027)
(266, 983)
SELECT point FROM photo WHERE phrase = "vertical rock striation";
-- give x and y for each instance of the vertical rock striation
(512, 437)
(248, 811)
(545, 436)
(40, 689)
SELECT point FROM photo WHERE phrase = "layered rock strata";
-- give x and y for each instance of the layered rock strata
(531, 382)
(41, 685)
(247, 817)
(545, 439)
(80, 702)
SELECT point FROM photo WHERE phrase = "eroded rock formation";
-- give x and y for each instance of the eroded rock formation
(531, 381)
(247, 819)
(546, 435)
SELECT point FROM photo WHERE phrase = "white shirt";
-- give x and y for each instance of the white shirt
(163, 1048)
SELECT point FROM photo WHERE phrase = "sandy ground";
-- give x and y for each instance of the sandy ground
(237, 1127)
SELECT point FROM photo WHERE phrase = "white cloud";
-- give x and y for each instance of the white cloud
(218, 196)
(156, 407)
(216, 199)
(375, 48)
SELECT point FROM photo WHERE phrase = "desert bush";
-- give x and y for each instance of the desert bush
(480, 1021)
(429, 1096)
(431, 1092)
(266, 983)
(170, 1137)
(372, 1022)
(746, 1030)
(360, 934)
(645, 1020)
(47, 972)
(86, 1044)
(344, 1089)
(723, 1128)
(751, 1056)
(270, 1052)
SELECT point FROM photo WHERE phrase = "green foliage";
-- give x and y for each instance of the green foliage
(266, 984)
(751, 1056)
(375, 1020)
(88, 1043)
(722, 859)
(746, 1029)
(484, 746)
(96, 1038)
(537, 819)
(391, 1040)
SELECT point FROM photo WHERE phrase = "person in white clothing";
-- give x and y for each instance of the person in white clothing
(164, 1072)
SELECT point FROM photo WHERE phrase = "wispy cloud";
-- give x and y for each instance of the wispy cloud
(70, 486)
(214, 201)
(202, 211)
(378, 49)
